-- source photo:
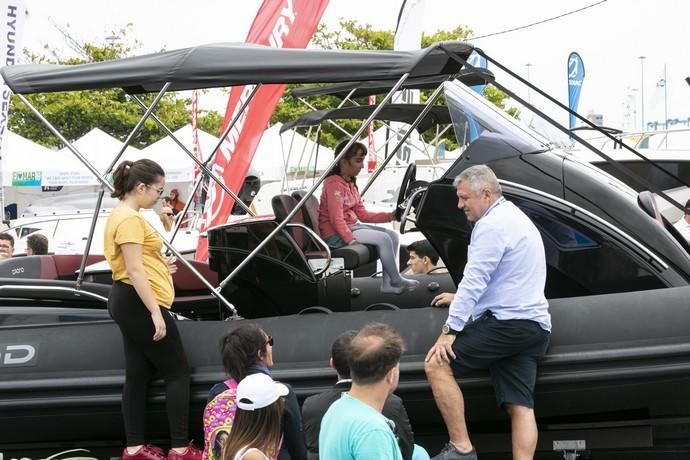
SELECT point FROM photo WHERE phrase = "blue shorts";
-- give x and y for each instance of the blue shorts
(510, 349)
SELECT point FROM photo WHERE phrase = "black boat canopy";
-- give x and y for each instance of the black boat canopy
(369, 88)
(231, 64)
(406, 113)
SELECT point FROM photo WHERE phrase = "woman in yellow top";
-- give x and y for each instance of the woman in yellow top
(139, 302)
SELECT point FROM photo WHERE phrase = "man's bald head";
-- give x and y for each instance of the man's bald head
(374, 351)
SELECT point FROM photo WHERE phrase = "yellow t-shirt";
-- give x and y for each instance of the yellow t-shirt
(125, 225)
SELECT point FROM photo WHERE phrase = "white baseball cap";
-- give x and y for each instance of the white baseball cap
(257, 391)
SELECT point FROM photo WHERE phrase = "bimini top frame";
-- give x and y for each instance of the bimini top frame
(404, 113)
(221, 65)
(354, 89)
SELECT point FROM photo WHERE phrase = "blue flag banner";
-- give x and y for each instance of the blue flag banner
(576, 74)
(478, 61)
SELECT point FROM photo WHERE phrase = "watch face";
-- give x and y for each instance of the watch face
(445, 329)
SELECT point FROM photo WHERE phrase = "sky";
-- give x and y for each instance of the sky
(610, 37)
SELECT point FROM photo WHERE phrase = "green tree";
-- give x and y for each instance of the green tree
(351, 35)
(78, 112)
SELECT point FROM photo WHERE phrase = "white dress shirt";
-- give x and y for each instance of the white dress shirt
(505, 270)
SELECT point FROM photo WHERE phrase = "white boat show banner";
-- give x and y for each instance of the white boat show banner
(11, 29)
(408, 36)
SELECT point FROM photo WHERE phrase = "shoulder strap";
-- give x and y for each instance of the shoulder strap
(231, 384)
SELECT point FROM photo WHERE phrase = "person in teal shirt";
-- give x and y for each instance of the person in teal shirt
(353, 427)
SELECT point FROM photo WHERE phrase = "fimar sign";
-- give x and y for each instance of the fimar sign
(26, 178)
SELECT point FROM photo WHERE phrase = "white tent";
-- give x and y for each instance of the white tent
(292, 149)
(34, 174)
(25, 161)
(178, 166)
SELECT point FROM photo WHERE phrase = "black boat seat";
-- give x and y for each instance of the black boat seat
(353, 256)
(282, 206)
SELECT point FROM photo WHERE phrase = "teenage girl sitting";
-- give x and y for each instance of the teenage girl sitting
(341, 211)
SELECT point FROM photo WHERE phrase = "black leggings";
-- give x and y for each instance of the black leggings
(144, 357)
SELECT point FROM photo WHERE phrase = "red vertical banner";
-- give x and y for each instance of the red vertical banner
(279, 24)
(371, 157)
(196, 148)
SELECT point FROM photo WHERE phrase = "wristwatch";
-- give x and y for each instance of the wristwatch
(447, 330)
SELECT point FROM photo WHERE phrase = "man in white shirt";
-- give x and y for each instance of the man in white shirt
(502, 291)
(683, 225)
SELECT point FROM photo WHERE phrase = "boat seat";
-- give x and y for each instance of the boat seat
(45, 267)
(186, 282)
(353, 256)
(282, 206)
(68, 264)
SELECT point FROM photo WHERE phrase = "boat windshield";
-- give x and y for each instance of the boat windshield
(478, 123)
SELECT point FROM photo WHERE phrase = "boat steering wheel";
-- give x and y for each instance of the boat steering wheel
(408, 178)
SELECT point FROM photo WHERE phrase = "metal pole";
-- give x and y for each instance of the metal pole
(203, 165)
(185, 209)
(336, 125)
(108, 186)
(587, 122)
(529, 90)
(665, 108)
(89, 239)
(642, 58)
(427, 108)
(67, 143)
(310, 192)
(138, 126)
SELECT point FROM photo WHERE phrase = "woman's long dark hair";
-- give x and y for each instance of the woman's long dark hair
(242, 347)
(259, 428)
(129, 173)
(354, 149)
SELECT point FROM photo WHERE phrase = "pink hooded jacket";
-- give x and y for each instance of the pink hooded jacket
(341, 207)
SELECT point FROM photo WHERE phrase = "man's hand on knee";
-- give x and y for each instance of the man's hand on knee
(442, 351)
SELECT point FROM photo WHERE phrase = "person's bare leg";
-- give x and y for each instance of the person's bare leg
(450, 403)
(524, 429)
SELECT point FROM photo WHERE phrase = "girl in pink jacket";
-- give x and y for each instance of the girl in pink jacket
(341, 211)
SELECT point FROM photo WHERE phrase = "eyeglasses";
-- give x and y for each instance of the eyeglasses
(158, 190)
(270, 341)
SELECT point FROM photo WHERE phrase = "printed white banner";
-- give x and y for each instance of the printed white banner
(408, 36)
(12, 14)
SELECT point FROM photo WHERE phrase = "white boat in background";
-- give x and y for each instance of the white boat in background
(67, 232)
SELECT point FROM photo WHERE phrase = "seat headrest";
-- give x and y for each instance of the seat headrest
(311, 208)
(282, 205)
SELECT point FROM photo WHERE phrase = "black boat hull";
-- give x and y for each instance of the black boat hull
(614, 359)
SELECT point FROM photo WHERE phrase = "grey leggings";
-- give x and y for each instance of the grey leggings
(387, 242)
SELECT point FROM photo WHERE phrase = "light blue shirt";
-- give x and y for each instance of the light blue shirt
(505, 270)
(352, 430)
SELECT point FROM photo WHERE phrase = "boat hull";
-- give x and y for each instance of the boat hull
(613, 359)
